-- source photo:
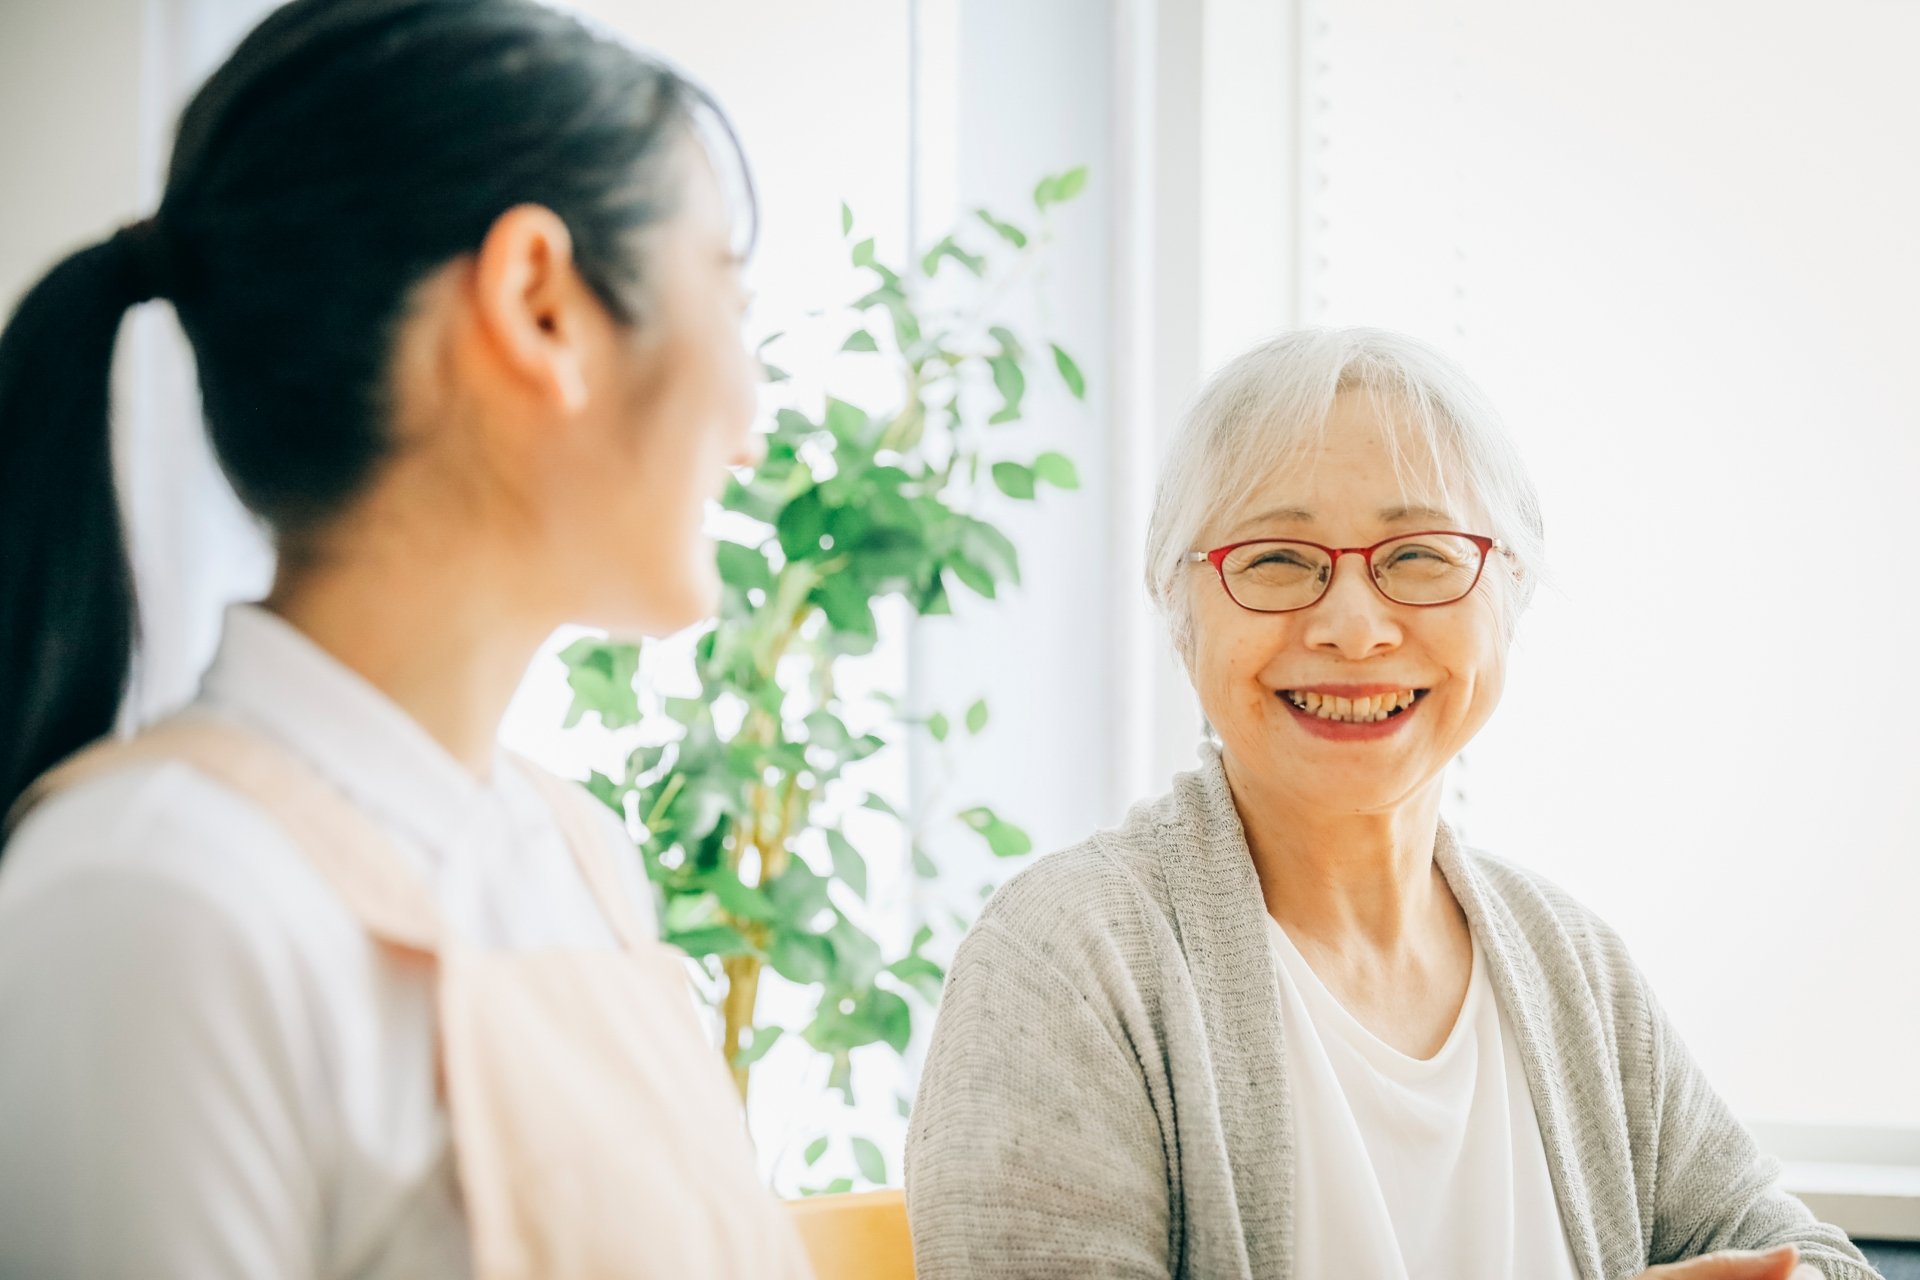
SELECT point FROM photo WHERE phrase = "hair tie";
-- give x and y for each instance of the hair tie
(146, 250)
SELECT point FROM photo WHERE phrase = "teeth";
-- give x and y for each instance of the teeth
(1353, 710)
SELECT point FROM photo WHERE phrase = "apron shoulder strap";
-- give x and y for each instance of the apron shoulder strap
(574, 809)
(356, 858)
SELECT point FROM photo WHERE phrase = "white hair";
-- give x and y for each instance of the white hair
(1267, 411)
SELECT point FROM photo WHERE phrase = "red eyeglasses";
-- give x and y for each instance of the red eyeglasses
(1281, 575)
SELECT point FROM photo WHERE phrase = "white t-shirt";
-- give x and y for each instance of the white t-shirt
(207, 1069)
(1410, 1169)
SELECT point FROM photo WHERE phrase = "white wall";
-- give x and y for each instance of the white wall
(1675, 242)
(70, 152)
(92, 92)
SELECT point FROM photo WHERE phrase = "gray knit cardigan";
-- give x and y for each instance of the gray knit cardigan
(1106, 1094)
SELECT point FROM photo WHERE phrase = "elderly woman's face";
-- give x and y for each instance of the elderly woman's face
(1253, 671)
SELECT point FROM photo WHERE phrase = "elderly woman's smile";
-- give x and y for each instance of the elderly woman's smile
(1352, 712)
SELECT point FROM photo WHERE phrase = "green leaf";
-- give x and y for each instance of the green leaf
(977, 716)
(688, 909)
(932, 601)
(990, 548)
(601, 674)
(1013, 479)
(847, 862)
(792, 426)
(859, 340)
(841, 1079)
(1005, 230)
(1056, 469)
(873, 1166)
(863, 253)
(846, 228)
(825, 729)
(711, 940)
(1011, 383)
(937, 726)
(973, 576)
(685, 710)
(1005, 839)
(895, 1018)
(1069, 372)
(848, 422)
(801, 526)
(763, 1040)
(920, 973)
(1060, 188)
(604, 789)
(847, 606)
(741, 901)
(903, 1104)
(950, 248)
(799, 956)
(906, 325)
(856, 954)
(889, 557)
(743, 567)
(773, 373)
(644, 760)
(818, 1147)
(798, 893)
(923, 865)
(847, 1022)
(839, 1186)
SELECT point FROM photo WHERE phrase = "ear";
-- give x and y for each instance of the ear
(531, 306)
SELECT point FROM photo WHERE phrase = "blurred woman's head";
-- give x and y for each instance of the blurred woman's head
(450, 269)
(1342, 543)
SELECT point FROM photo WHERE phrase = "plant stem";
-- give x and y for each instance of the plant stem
(742, 993)
(741, 974)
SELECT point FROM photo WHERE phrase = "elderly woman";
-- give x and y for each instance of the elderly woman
(1279, 1022)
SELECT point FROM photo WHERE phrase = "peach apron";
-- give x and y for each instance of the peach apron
(596, 1132)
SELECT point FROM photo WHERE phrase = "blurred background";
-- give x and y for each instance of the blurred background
(1676, 241)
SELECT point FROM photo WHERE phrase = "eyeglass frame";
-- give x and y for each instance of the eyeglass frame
(1218, 558)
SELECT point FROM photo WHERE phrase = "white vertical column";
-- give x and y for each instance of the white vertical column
(1208, 259)
(1009, 92)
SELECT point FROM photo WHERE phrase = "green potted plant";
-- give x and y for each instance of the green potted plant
(739, 816)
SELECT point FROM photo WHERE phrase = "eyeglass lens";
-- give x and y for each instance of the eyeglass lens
(1426, 568)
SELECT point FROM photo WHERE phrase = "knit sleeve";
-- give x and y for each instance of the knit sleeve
(1034, 1150)
(1712, 1186)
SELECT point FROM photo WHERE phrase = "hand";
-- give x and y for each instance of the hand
(1736, 1264)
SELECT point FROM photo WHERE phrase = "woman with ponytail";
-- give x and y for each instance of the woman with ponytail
(311, 979)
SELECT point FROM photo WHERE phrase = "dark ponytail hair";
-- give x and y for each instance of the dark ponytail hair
(345, 151)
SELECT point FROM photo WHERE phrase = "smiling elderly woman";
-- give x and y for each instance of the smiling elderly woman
(1278, 1023)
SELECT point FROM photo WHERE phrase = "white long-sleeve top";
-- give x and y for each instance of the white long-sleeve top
(207, 1069)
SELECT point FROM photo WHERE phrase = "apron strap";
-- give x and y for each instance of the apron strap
(383, 891)
(574, 808)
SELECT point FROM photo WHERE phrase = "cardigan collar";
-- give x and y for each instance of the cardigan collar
(1220, 920)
